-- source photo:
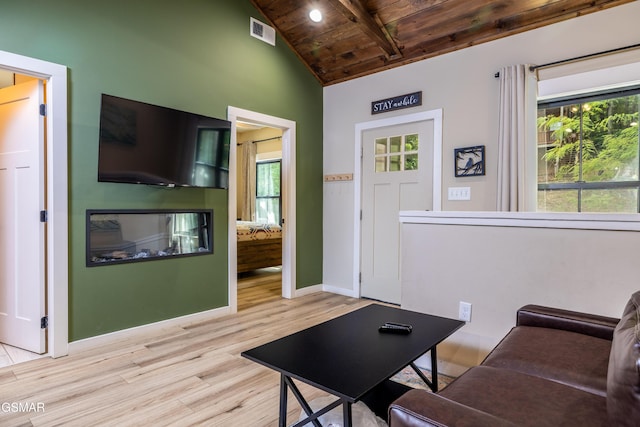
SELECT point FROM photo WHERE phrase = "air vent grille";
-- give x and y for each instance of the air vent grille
(263, 32)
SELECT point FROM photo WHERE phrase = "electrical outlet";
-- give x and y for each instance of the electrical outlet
(464, 311)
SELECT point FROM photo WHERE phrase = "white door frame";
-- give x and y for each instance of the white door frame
(436, 116)
(57, 251)
(288, 181)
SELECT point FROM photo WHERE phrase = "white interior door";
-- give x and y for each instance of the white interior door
(397, 174)
(22, 287)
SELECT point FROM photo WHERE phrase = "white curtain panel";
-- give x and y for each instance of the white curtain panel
(516, 139)
(248, 211)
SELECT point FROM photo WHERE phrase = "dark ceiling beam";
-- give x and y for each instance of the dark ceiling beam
(356, 12)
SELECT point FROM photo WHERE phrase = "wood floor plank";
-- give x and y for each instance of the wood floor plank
(123, 405)
(187, 375)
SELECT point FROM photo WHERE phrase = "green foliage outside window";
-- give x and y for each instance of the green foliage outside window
(589, 142)
(411, 144)
(268, 200)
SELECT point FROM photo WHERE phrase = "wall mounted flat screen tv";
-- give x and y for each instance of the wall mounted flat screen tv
(142, 143)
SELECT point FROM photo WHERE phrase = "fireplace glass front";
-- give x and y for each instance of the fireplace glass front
(119, 236)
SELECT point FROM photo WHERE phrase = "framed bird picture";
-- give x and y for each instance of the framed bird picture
(469, 161)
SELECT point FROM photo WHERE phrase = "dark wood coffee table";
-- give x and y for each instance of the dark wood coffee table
(349, 358)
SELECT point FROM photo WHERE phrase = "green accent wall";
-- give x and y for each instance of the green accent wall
(193, 55)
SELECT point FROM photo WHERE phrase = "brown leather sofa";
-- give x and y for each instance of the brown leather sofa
(554, 368)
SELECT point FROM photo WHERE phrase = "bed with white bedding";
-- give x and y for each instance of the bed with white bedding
(259, 245)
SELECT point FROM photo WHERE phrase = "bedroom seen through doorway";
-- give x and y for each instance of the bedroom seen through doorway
(259, 214)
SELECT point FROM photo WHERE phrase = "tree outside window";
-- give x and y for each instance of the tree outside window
(588, 153)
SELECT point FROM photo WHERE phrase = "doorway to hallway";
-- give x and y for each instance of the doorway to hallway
(22, 229)
(55, 246)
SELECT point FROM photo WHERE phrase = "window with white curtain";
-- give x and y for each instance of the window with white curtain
(587, 146)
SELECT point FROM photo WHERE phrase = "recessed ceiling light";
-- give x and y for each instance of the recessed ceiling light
(315, 15)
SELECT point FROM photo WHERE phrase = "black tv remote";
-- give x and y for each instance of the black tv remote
(395, 328)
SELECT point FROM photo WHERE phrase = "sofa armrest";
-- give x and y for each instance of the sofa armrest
(421, 408)
(572, 321)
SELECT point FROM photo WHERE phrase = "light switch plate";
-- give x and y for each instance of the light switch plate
(459, 193)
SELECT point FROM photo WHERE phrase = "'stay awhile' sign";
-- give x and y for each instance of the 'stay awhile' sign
(396, 103)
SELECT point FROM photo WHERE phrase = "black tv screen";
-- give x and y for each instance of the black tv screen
(147, 144)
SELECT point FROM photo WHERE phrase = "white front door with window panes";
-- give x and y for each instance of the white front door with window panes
(397, 174)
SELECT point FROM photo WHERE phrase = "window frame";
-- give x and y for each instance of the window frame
(279, 197)
(580, 186)
(402, 154)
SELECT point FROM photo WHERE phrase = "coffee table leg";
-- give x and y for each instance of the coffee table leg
(346, 411)
(434, 369)
(283, 402)
(286, 384)
(433, 384)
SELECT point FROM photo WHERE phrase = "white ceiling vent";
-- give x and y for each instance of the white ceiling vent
(263, 32)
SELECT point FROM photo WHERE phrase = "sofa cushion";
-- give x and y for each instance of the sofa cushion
(623, 381)
(526, 400)
(570, 358)
(420, 408)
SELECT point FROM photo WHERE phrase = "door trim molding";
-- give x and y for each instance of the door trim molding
(288, 182)
(360, 128)
(57, 250)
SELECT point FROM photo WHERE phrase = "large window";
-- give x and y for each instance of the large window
(268, 196)
(588, 153)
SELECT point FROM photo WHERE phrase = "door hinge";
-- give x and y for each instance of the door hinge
(360, 214)
(44, 322)
(360, 277)
(43, 110)
(43, 216)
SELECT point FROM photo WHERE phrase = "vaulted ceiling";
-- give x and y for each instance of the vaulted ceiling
(359, 37)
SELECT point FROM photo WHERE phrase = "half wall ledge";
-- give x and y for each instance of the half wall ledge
(584, 221)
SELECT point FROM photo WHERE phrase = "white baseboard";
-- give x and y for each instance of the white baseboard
(444, 366)
(341, 291)
(308, 290)
(111, 337)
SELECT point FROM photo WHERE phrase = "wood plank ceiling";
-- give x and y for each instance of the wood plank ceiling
(361, 37)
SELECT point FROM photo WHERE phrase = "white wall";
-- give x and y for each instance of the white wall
(462, 83)
(498, 269)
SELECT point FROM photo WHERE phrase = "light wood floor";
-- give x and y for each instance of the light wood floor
(259, 286)
(192, 375)
(254, 287)
(11, 355)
